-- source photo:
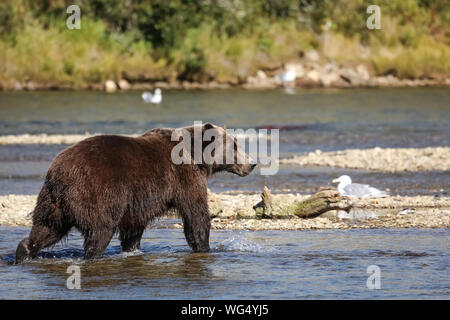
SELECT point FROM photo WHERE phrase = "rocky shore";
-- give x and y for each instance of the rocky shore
(311, 72)
(238, 211)
(45, 138)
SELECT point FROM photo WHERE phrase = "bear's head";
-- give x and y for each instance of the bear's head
(210, 147)
(228, 154)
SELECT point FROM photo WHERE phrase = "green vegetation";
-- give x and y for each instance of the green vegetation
(204, 40)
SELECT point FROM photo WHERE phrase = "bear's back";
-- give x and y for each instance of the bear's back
(109, 159)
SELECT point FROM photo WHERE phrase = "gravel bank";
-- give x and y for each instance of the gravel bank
(391, 160)
(235, 211)
(45, 138)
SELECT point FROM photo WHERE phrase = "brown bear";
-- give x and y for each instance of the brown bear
(111, 183)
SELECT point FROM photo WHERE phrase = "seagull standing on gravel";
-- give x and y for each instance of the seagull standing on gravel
(153, 97)
(288, 77)
(347, 188)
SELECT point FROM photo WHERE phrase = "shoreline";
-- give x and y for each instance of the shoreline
(236, 212)
(379, 82)
(308, 74)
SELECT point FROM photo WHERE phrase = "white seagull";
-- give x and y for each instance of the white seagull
(153, 97)
(288, 77)
(347, 188)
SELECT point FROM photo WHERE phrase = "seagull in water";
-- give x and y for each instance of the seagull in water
(347, 188)
(153, 97)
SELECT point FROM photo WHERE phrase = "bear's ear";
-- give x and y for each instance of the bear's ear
(162, 131)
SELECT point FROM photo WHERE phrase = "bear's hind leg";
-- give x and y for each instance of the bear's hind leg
(40, 237)
(95, 242)
(131, 241)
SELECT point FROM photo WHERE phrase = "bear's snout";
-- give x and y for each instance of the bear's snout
(244, 170)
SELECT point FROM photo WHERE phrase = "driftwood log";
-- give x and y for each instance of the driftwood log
(324, 200)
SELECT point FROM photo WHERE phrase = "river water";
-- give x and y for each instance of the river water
(265, 264)
(323, 264)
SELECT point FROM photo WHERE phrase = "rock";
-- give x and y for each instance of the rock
(261, 75)
(330, 68)
(110, 86)
(243, 213)
(215, 204)
(352, 77)
(261, 81)
(328, 75)
(313, 75)
(18, 86)
(226, 214)
(385, 81)
(329, 79)
(124, 84)
(30, 86)
(363, 72)
(163, 84)
(312, 55)
(217, 85)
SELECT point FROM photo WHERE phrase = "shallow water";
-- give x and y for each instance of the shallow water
(242, 265)
(308, 120)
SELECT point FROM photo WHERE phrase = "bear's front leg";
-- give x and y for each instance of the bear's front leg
(197, 223)
(95, 242)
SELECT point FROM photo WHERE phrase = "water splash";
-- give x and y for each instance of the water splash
(130, 254)
(240, 243)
